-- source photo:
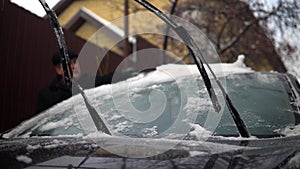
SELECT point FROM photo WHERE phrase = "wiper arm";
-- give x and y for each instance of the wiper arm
(99, 123)
(190, 45)
(193, 49)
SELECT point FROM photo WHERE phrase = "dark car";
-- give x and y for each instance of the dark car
(165, 119)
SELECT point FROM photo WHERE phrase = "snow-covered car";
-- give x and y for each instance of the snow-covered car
(165, 119)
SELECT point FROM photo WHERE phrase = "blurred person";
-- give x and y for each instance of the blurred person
(57, 91)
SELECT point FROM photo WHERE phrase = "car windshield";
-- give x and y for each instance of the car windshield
(262, 99)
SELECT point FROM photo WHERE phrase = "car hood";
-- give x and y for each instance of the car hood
(218, 153)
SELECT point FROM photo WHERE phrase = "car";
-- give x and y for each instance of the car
(165, 119)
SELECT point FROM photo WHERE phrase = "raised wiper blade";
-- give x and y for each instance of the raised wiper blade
(99, 123)
(182, 33)
(193, 49)
(61, 42)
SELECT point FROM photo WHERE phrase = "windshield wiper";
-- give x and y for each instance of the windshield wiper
(193, 49)
(98, 121)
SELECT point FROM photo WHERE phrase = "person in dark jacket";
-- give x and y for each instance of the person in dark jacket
(57, 91)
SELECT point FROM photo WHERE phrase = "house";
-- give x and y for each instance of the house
(101, 23)
(27, 46)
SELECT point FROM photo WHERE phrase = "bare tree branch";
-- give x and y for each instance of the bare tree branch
(218, 43)
(235, 39)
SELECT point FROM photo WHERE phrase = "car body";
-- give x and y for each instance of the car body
(186, 133)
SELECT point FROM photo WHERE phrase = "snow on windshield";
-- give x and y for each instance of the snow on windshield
(143, 84)
(101, 97)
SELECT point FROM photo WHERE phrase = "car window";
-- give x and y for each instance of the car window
(262, 101)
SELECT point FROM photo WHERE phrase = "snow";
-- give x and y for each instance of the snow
(199, 132)
(96, 135)
(171, 72)
(24, 159)
(51, 146)
(297, 102)
(150, 132)
(212, 148)
(240, 61)
(196, 153)
(290, 131)
(55, 143)
(66, 122)
(174, 71)
(33, 147)
(79, 135)
(122, 126)
(162, 74)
